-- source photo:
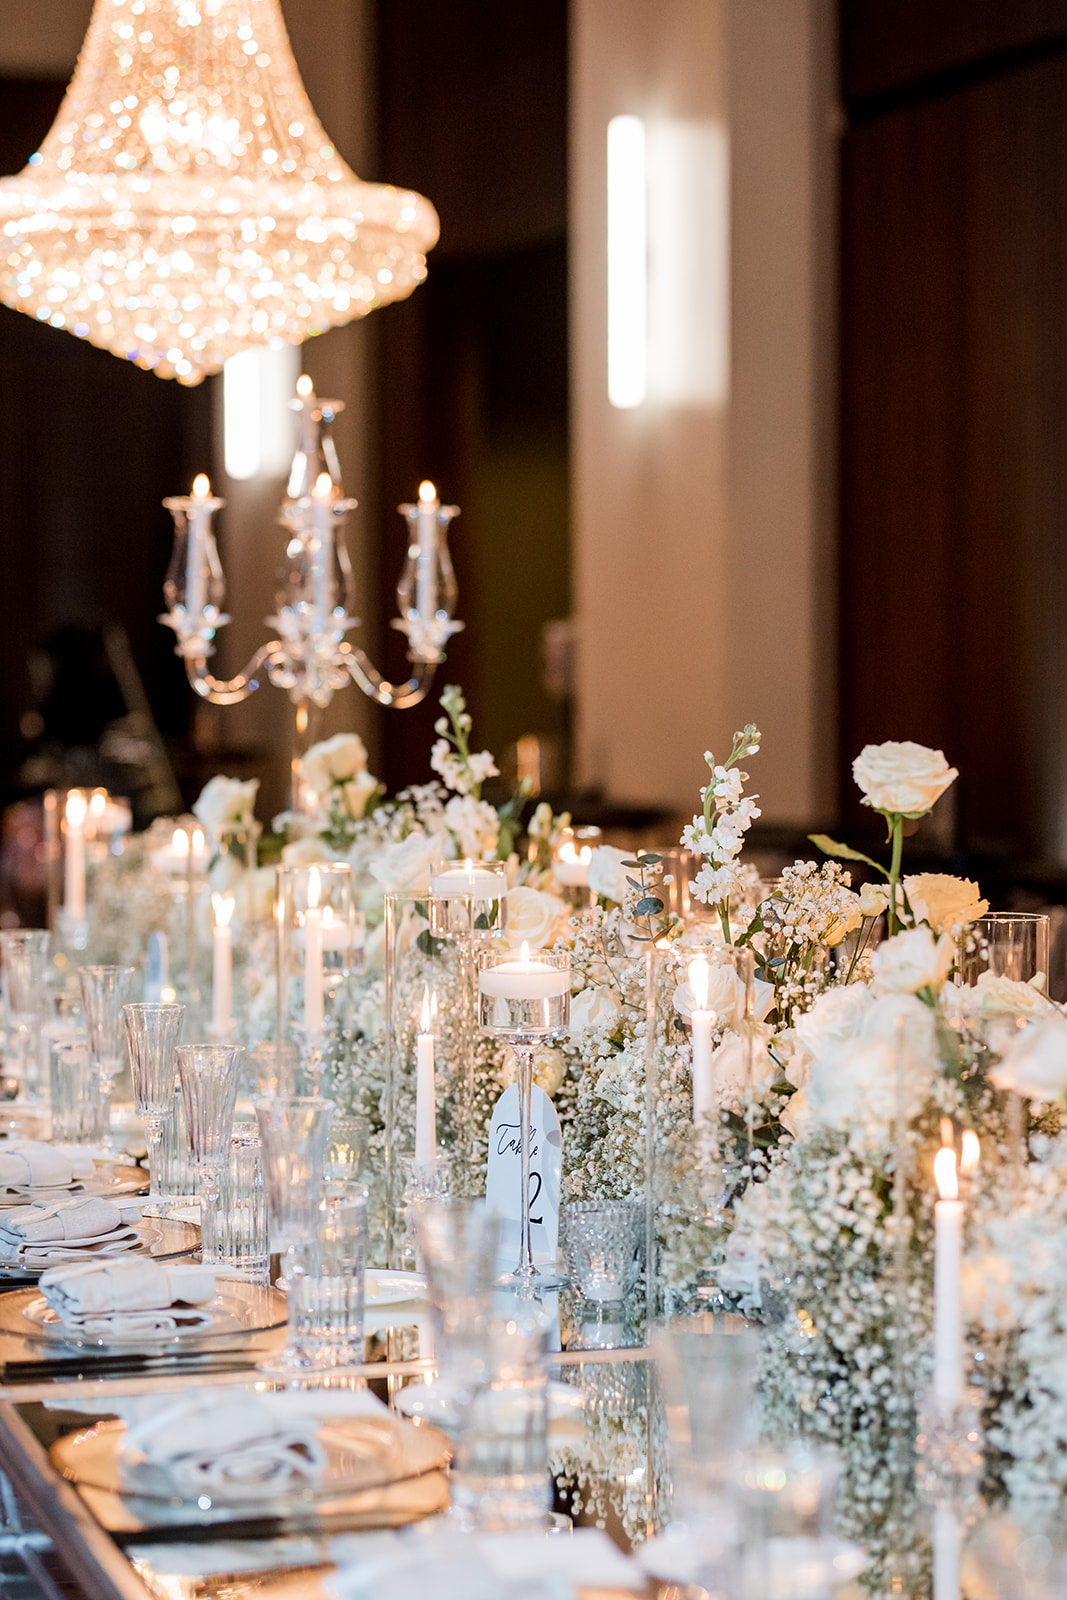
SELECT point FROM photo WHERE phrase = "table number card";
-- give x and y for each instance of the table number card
(546, 1162)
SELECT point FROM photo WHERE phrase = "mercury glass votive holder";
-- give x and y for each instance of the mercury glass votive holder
(467, 899)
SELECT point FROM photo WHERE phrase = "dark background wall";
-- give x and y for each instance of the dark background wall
(954, 408)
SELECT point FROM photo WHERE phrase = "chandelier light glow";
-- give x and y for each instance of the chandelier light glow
(187, 204)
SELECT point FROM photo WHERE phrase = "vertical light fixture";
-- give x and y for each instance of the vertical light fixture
(627, 263)
(257, 417)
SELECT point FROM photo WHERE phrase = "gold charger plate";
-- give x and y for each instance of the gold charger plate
(381, 1472)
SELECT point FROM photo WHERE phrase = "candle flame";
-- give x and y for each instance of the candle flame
(327, 916)
(429, 1010)
(585, 854)
(948, 1132)
(945, 1173)
(97, 802)
(525, 955)
(323, 486)
(180, 842)
(314, 889)
(567, 851)
(201, 486)
(76, 808)
(222, 905)
(198, 841)
(304, 386)
(468, 865)
(427, 492)
(970, 1152)
(700, 980)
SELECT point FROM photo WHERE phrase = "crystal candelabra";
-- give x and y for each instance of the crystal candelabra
(310, 657)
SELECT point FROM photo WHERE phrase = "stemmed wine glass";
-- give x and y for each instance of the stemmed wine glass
(152, 1034)
(104, 991)
(208, 1076)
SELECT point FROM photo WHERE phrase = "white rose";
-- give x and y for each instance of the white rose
(795, 1057)
(836, 1017)
(874, 899)
(305, 852)
(913, 960)
(334, 761)
(902, 776)
(795, 1115)
(595, 1007)
(226, 802)
(943, 901)
(893, 1014)
(357, 791)
(726, 997)
(1035, 1063)
(607, 875)
(474, 825)
(548, 1069)
(993, 998)
(533, 917)
(253, 895)
(729, 1067)
(853, 1083)
(407, 864)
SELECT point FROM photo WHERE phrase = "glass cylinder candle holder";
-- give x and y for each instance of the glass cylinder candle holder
(467, 899)
(1007, 944)
(319, 949)
(570, 864)
(523, 1000)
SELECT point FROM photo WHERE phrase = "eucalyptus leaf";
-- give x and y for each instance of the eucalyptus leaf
(650, 906)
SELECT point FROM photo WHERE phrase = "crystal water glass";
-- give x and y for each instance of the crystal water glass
(457, 1250)
(104, 991)
(523, 1001)
(208, 1077)
(152, 1033)
(24, 971)
(294, 1130)
(326, 1292)
(79, 1110)
(500, 1469)
(241, 1229)
(176, 1182)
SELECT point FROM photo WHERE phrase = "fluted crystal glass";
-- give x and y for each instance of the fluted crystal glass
(208, 1074)
(104, 992)
(24, 968)
(152, 1034)
(294, 1130)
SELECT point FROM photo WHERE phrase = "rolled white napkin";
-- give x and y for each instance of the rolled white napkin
(30, 1165)
(129, 1296)
(64, 1230)
(234, 1439)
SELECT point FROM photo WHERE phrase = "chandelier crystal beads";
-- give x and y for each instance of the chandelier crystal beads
(187, 204)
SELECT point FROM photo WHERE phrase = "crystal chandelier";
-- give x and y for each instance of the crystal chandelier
(187, 204)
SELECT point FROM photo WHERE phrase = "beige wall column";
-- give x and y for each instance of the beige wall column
(702, 517)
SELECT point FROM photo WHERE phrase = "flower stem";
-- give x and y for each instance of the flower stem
(896, 828)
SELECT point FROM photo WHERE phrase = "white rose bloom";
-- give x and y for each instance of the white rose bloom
(595, 1007)
(305, 852)
(549, 1067)
(726, 997)
(836, 1017)
(1035, 1063)
(607, 875)
(943, 901)
(407, 864)
(728, 1067)
(474, 825)
(994, 998)
(902, 776)
(253, 896)
(225, 802)
(913, 960)
(795, 1115)
(334, 760)
(889, 1014)
(533, 917)
(794, 1056)
(874, 899)
(852, 1083)
(357, 791)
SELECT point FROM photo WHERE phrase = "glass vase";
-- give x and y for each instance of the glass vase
(319, 947)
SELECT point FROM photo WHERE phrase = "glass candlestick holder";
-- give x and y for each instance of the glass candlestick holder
(522, 1001)
(320, 946)
(570, 864)
(467, 899)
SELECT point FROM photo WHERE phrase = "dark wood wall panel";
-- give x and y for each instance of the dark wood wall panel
(954, 441)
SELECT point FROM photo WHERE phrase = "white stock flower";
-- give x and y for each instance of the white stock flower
(913, 960)
(474, 825)
(726, 996)
(1035, 1063)
(407, 864)
(223, 802)
(533, 917)
(595, 1007)
(607, 875)
(334, 760)
(943, 901)
(900, 776)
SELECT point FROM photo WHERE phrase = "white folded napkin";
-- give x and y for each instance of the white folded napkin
(29, 1165)
(435, 1559)
(126, 1297)
(234, 1439)
(64, 1230)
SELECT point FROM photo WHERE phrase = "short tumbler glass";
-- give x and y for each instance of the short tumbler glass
(327, 1288)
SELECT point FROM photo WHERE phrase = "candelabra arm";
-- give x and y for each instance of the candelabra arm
(231, 691)
(364, 673)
